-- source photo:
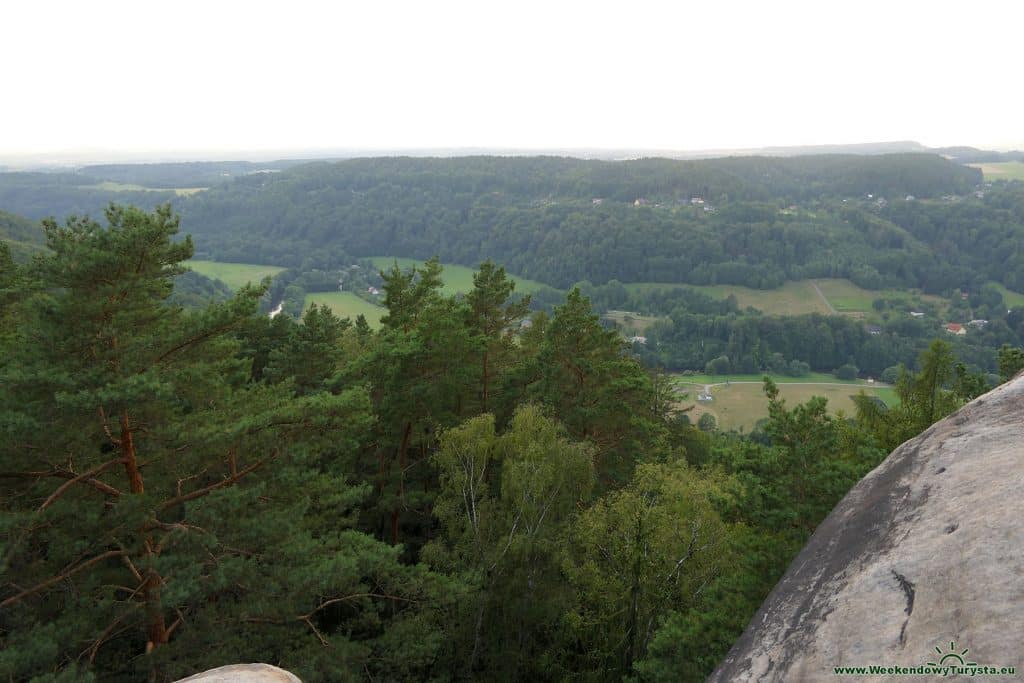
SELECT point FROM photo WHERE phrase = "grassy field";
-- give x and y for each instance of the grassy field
(631, 323)
(740, 406)
(110, 186)
(799, 297)
(457, 279)
(848, 297)
(1011, 299)
(1002, 170)
(234, 275)
(793, 298)
(347, 305)
(816, 377)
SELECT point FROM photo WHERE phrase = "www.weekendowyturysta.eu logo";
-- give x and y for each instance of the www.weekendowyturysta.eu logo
(951, 662)
(952, 657)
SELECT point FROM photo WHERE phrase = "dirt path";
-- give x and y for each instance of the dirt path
(818, 290)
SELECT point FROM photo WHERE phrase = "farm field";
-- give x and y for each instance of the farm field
(740, 406)
(631, 323)
(848, 297)
(813, 377)
(457, 279)
(1011, 299)
(234, 275)
(347, 305)
(110, 186)
(800, 297)
(793, 298)
(1001, 170)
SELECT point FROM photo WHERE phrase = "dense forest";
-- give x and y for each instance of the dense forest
(455, 496)
(885, 220)
(748, 221)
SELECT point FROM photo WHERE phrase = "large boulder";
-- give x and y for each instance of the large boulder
(244, 673)
(922, 559)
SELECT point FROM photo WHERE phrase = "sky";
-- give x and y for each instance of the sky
(217, 76)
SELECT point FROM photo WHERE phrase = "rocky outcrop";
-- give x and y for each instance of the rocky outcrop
(922, 559)
(244, 673)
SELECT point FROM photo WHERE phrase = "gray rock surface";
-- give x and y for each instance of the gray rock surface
(926, 550)
(244, 673)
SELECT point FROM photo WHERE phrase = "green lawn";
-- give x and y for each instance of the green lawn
(347, 305)
(110, 186)
(234, 275)
(457, 279)
(740, 406)
(1002, 170)
(1011, 299)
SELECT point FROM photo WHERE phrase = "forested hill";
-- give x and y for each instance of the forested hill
(22, 235)
(892, 220)
(753, 221)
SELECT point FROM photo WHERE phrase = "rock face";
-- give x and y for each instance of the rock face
(925, 551)
(244, 673)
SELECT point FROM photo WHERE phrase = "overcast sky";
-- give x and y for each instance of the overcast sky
(219, 76)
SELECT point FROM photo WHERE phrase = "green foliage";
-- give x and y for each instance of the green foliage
(925, 398)
(457, 495)
(504, 505)
(638, 553)
(160, 512)
(1011, 361)
(846, 372)
(600, 394)
(718, 366)
(707, 423)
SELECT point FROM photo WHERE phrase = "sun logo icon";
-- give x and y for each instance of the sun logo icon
(958, 656)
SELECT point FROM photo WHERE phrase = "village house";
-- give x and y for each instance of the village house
(955, 328)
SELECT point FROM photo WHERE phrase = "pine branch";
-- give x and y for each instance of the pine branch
(85, 476)
(206, 490)
(60, 577)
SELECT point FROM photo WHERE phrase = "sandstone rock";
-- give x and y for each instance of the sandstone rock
(925, 551)
(244, 673)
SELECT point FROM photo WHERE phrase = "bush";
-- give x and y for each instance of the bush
(847, 371)
(707, 423)
(718, 366)
(798, 368)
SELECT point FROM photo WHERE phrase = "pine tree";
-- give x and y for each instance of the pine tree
(161, 513)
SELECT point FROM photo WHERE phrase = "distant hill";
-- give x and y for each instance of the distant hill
(23, 235)
(563, 220)
(180, 174)
(973, 155)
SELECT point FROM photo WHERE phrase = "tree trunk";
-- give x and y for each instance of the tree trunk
(131, 461)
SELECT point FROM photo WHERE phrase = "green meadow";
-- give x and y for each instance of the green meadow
(457, 279)
(347, 305)
(110, 186)
(740, 406)
(234, 275)
(1001, 170)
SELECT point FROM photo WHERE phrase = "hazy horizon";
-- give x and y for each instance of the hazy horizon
(119, 80)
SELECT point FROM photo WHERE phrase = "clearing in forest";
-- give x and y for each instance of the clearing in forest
(234, 275)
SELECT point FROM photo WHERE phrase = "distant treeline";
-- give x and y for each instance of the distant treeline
(892, 220)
